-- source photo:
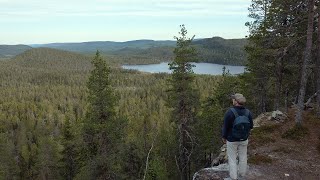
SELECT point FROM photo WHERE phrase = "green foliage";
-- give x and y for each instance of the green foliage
(296, 133)
(275, 46)
(183, 99)
(8, 166)
(101, 97)
(42, 88)
(70, 153)
(227, 86)
(101, 129)
(221, 51)
(47, 160)
(208, 133)
(157, 169)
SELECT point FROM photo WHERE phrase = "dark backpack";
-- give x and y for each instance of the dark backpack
(241, 126)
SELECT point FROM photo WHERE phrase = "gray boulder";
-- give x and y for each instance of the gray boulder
(213, 173)
(269, 118)
(222, 158)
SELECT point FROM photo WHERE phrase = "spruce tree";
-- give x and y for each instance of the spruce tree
(100, 126)
(183, 99)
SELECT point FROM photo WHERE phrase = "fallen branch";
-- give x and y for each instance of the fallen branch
(306, 105)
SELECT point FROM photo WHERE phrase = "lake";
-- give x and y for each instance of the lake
(201, 68)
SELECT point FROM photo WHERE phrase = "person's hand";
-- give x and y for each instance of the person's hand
(224, 140)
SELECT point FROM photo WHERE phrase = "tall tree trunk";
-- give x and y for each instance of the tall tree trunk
(262, 99)
(306, 62)
(318, 65)
(184, 147)
(286, 101)
(278, 84)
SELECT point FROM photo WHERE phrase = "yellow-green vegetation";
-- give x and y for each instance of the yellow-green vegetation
(43, 105)
(259, 159)
(296, 133)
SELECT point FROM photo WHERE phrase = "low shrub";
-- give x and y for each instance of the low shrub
(263, 135)
(296, 133)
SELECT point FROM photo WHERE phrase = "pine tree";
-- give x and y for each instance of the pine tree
(277, 35)
(257, 53)
(183, 99)
(306, 61)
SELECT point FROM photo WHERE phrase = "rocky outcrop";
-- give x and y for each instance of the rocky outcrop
(213, 173)
(269, 118)
(222, 158)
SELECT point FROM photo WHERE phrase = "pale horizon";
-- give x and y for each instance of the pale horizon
(55, 21)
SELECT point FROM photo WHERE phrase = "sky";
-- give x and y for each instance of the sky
(50, 21)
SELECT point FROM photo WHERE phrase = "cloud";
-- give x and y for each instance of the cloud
(149, 8)
(83, 20)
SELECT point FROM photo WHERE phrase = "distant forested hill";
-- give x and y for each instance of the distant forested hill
(107, 46)
(221, 51)
(12, 50)
(47, 58)
(213, 50)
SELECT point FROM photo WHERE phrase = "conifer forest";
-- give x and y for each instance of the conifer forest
(71, 115)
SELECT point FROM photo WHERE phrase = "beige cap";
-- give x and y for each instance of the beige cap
(239, 98)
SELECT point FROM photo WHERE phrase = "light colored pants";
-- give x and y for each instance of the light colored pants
(234, 150)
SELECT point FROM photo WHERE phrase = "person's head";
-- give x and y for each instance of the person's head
(238, 99)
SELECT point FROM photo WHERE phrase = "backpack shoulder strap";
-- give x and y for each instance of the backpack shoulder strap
(246, 113)
(234, 112)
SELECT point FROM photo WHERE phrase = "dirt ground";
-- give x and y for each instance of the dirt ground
(281, 158)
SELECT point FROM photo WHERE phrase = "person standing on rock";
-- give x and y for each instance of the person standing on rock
(237, 124)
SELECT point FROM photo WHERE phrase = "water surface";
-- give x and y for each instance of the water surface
(201, 68)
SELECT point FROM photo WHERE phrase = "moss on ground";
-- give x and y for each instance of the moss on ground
(263, 135)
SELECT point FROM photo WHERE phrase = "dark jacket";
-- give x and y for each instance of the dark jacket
(228, 122)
